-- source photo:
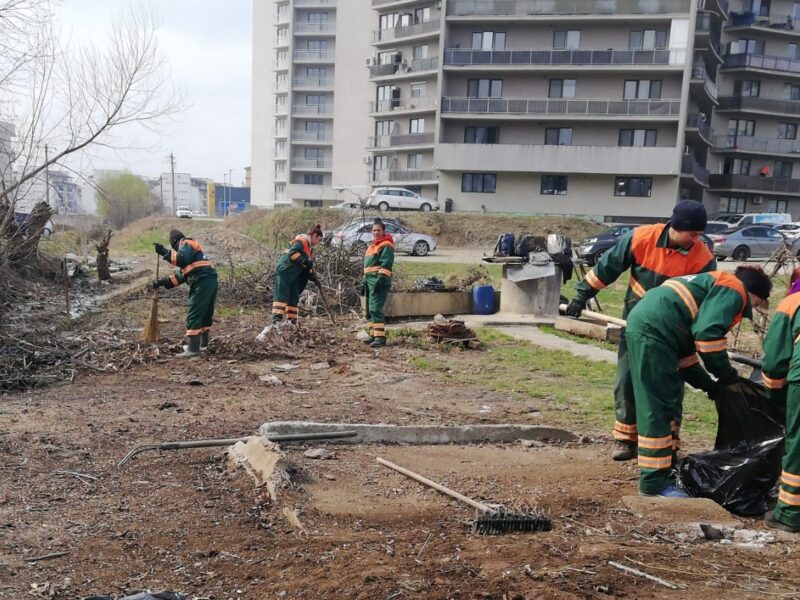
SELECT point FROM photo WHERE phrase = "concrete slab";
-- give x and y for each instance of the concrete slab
(421, 434)
(680, 511)
(500, 319)
(553, 342)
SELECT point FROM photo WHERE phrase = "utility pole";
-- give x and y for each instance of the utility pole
(161, 185)
(47, 185)
(172, 168)
(230, 191)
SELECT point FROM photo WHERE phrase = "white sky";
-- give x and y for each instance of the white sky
(208, 47)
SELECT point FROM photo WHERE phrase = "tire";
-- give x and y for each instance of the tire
(425, 207)
(383, 206)
(596, 256)
(741, 253)
(421, 248)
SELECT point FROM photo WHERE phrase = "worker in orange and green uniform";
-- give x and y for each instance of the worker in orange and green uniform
(294, 270)
(197, 271)
(780, 368)
(674, 323)
(653, 254)
(378, 261)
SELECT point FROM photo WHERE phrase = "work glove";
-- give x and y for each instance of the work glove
(713, 390)
(160, 249)
(575, 308)
(154, 285)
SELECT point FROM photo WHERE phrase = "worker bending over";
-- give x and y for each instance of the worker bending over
(653, 254)
(673, 324)
(378, 262)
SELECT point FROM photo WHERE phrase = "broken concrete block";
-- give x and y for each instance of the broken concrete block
(318, 453)
(260, 459)
(682, 511)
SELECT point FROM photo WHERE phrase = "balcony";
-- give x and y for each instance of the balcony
(281, 109)
(313, 83)
(524, 158)
(696, 122)
(704, 28)
(560, 106)
(560, 58)
(701, 76)
(281, 17)
(755, 182)
(397, 33)
(281, 86)
(777, 64)
(526, 8)
(311, 163)
(316, 56)
(692, 170)
(281, 41)
(312, 136)
(313, 109)
(278, 132)
(412, 104)
(418, 65)
(760, 105)
(324, 3)
(402, 176)
(301, 27)
(749, 143)
(281, 64)
(406, 139)
(782, 24)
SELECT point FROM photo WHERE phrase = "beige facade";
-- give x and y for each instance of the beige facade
(609, 108)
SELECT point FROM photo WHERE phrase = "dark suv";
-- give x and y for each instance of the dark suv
(592, 248)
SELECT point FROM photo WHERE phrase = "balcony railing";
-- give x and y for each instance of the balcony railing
(281, 109)
(313, 82)
(281, 86)
(278, 133)
(769, 63)
(314, 55)
(755, 182)
(523, 8)
(281, 63)
(396, 33)
(703, 25)
(282, 40)
(406, 139)
(415, 66)
(749, 143)
(313, 109)
(774, 22)
(699, 72)
(699, 122)
(560, 106)
(315, 2)
(689, 166)
(413, 103)
(392, 175)
(777, 105)
(305, 27)
(311, 163)
(311, 136)
(457, 56)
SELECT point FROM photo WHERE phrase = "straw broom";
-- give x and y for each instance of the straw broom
(150, 333)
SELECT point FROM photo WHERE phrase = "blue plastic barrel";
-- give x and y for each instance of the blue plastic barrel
(482, 300)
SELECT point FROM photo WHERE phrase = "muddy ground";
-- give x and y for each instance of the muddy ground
(178, 521)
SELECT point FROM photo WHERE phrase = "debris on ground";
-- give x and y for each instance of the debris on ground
(261, 460)
(452, 331)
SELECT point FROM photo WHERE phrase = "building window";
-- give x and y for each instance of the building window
(794, 51)
(422, 15)
(554, 185)
(558, 136)
(481, 135)
(639, 187)
(317, 17)
(562, 88)
(741, 127)
(312, 203)
(791, 91)
(566, 40)
(384, 128)
(414, 161)
(736, 166)
(317, 44)
(648, 39)
(420, 52)
(388, 97)
(488, 40)
(787, 131)
(387, 21)
(782, 169)
(316, 73)
(732, 204)
(757, 7)
(317, 154)
(315, 126)
(418, 90)
(485, 88)
(382, 162)
(755, 47)
(416, 126)
(642, 89)
(637, 137)
(747, 88)
(312, 179)
(777, 206)
(479, 182)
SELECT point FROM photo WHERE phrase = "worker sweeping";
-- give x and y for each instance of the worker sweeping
(780, 367)
(673, 324)
(195, 270)
(292, 273)
(653, 254)
(378, 262)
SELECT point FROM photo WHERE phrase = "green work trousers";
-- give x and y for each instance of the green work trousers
(654, 371)
(200, 309)
(788, 508)
(377, 288)
(289, 284)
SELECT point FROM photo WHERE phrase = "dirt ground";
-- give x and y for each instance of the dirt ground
(178, 521)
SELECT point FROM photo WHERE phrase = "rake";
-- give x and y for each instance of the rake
(488, 520)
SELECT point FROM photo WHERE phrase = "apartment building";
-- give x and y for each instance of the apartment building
(608, 108)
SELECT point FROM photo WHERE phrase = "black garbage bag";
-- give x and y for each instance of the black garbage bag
(741, 471)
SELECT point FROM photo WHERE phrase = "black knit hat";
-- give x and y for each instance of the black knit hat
(755, 280)
(175, 237)
(688, 215)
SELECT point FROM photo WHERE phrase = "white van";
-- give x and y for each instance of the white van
(764, 219)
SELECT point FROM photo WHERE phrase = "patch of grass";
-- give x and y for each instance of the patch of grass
(405, 273)
(63, 242)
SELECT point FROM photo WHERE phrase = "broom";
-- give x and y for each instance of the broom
(150, 333)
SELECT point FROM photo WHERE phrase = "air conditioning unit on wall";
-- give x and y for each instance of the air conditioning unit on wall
(757, 200)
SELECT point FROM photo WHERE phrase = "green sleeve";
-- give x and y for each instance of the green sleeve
(184, 256)
(297, 256)
(710, 266)
(710, 330)
(697, 377)
(608, 269)
(174, 280)
(386, 261)
(778, 350)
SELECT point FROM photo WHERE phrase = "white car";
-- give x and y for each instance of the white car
(183, 212)
(358, 235)
(198, 213)
(385, 198)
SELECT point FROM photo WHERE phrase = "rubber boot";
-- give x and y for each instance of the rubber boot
(773, 523)
(204, 340)
(378, 342)
(193, 347)
(624, 450)
(669, 492)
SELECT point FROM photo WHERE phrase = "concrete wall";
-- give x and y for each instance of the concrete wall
(262, 146)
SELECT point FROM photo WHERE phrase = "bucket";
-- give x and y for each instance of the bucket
(482, 300)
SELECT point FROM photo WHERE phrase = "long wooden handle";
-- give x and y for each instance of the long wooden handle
(599, 316)
(432, 484)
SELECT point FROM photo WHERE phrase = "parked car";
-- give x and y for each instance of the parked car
(183, 212)
(22, 222)
(741, 243)
(385, 198)
(359, 234)
(198, 213)
(789, 230)
(764, 219)
(708, 242)
(716, 226)
(730, 218)
(591, 249)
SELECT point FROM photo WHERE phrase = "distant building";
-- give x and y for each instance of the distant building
(6, 154)
(189, 191)
(226, 200)
(64, 197)
(247, 176)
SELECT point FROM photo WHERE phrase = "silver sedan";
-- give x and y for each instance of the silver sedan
(741, 243)
(359, 235)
